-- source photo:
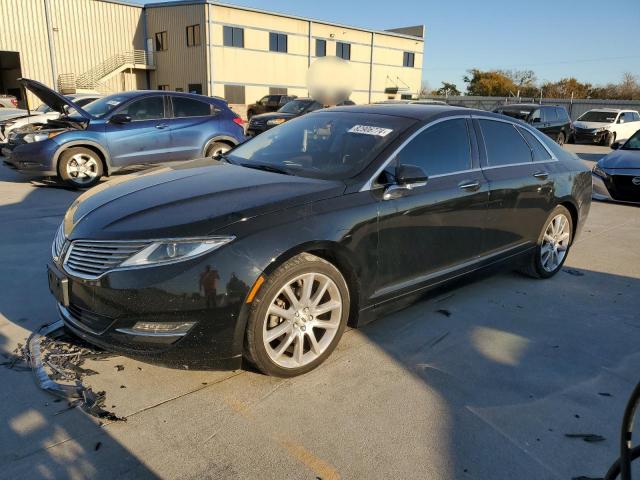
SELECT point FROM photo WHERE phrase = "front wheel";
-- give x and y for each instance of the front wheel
(553, 245)
(80, 167)
(560, 139)
(609, 139)
(298, 317)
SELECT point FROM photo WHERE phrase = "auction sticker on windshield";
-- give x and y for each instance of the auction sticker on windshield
(369, 130)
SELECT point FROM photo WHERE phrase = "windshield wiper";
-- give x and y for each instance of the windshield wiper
(266, 168)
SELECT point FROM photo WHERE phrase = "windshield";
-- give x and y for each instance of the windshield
(295, 106)
(325, 145)
(599, 117)
(105, 105)
(633, 143)
(520, 113)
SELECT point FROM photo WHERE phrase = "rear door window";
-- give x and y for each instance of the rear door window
(549, 114)
(440, 149)
(188, 107)
(563, 116)
(148, 108)
(540, 154)
(503, 144)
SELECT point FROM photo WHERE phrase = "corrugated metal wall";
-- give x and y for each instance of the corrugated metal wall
(23, 29)
(179, 65)
(87, 32)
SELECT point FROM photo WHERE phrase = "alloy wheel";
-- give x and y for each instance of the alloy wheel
(82, 168)
(302, 320)
(555, 242)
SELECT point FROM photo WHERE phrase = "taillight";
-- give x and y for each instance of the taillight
(239, 121)
(14, 102)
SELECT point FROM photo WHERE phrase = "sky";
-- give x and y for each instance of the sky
(594, 41)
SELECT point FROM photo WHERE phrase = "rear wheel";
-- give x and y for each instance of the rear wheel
(553, 245)
(80, 167)
(298, 317)
(216, 148)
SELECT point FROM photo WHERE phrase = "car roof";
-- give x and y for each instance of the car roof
(616, 110)
(416, 111)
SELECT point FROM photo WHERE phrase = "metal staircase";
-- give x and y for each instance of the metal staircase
(93, 78)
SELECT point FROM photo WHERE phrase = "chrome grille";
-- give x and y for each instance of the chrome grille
(92, 258)
(58, 242)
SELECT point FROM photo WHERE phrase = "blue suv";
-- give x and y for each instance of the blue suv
(121, 130)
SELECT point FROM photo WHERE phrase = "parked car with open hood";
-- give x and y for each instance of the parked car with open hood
(606, 126)
(551, 120)
(121, 130)
(617, 175)
(40, 115)
(317, 223)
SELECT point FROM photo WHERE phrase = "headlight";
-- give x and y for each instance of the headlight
(170, 251)
(597, 169)
(276, 121)
(38, 137)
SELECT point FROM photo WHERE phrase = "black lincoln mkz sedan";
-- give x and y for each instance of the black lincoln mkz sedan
(270, 251)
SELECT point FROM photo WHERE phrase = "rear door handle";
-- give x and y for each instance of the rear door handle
(541, 175)
(469, 186)
(162, 126)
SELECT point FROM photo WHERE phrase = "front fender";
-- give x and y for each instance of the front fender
(93, 143)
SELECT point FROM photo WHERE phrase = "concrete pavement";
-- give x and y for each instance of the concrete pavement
(488, 391)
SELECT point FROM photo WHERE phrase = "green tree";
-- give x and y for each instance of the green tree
(447, 89)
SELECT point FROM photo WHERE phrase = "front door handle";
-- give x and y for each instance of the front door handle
(469, 186)
(162, 126)
(541, 175)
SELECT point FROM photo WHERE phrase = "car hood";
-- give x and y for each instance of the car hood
(52, 98)
(187, 200)
(272, 115)
(621, 159)
(589, 125)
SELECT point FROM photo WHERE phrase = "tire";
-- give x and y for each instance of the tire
(571, 139)
(609, 139)
(560, 139)
(216, 148)
(80, 167)
(540, 265)
(290, 351)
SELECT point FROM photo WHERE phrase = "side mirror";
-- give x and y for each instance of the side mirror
(615, 145)
(407, 177)
(120, 118)
(621, 120)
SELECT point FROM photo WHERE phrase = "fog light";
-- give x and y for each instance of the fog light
(169, 328)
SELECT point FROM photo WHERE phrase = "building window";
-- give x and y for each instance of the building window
(406, 96)
(234, 94)
(343, 50)
(408, 59)
(193, 36)
(195, 88)
(161, 42)
(277, 42)
(321, 48)
(277, 91)
(233, 37)
(179, 89)
(163, 87)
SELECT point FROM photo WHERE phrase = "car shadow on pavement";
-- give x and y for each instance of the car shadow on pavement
(510, 365)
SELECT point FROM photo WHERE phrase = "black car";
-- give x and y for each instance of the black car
(617, 175)
(268, 103)
(268, 253)
(292, 109)
(553, 121)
